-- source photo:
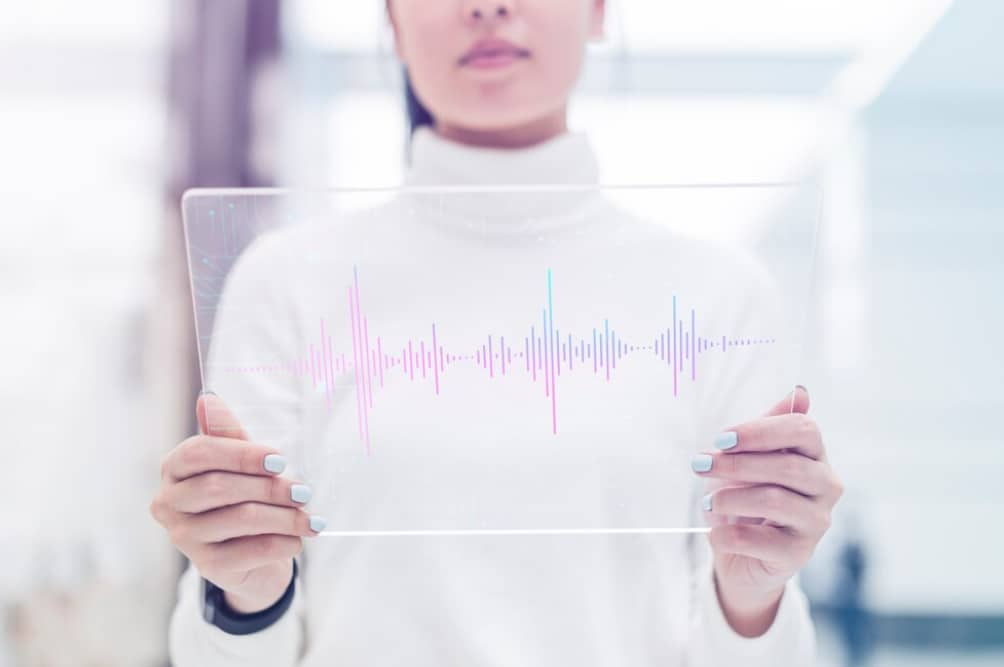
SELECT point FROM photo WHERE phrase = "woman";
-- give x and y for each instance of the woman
(489, 88)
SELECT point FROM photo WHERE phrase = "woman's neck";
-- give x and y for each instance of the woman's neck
(519, 136)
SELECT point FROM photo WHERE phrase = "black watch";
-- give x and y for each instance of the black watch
(217, 612)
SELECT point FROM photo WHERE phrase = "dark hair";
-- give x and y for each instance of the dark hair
(418, 115)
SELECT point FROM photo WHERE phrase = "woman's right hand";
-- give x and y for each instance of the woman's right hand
(224, 505)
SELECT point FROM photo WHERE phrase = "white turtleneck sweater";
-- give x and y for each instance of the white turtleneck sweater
(528, 600)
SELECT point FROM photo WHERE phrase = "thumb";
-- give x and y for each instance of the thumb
(215, 418)
(796, 401)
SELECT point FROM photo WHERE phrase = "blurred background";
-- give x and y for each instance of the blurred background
(109, 109)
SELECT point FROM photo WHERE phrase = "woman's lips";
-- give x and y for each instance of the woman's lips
(492, 54)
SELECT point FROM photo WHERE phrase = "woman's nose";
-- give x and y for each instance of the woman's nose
(482, 11)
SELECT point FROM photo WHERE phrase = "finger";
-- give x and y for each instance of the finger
(202, 453)
(215, 418)
(793, 471)
(249, 552)
(776, 504)
(796, 401)
(795, 432)
(767, 543)
(241, 520)
(210, 490)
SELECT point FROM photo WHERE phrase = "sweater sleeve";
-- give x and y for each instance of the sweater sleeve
(789, 642)
(254, 326)
(194, 642)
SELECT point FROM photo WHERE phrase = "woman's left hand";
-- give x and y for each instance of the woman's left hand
(769, 505)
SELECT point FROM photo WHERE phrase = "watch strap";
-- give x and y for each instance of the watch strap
(216, 611)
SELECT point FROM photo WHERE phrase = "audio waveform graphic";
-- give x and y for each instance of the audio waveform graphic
(542, 354)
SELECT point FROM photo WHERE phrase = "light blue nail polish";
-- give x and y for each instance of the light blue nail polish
(726, 440)
(701, 462)
(274, 463)
(706, 502)
(317, 523)
(300, 493)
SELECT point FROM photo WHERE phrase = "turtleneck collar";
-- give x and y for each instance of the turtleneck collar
(563, 160)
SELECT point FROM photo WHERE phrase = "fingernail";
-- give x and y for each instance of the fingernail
(706, 502)
(726, 440)
(274, 463)
(300, 493)
(317, 523)
(701, 462)
(802, 387)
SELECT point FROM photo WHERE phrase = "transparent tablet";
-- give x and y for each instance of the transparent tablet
(502, 360)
